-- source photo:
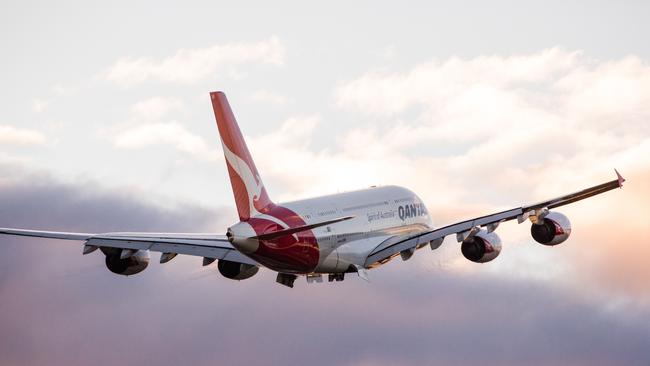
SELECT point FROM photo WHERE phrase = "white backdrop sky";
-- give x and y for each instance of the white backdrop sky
(88, 82)
(476, 106)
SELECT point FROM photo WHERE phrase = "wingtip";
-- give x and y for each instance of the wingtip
(620, 178)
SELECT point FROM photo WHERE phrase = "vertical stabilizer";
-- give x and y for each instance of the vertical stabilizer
(250, 195)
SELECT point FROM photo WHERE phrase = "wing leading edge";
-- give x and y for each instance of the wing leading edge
(201, 245)
(395, 245)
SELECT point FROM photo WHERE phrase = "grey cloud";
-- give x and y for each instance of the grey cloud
(59, 307)
(36, 200)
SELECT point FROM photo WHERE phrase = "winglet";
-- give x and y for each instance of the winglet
(620, 179)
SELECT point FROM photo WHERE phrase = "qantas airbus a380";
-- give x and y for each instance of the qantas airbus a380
(330, 235)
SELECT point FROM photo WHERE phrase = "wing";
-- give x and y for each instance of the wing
(403, 244)
(201, 245)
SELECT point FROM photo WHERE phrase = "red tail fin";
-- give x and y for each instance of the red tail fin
(250, 194)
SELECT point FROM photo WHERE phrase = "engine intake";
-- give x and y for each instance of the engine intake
(236, 271)
(134, 264)
(554, 229)
(481, 247)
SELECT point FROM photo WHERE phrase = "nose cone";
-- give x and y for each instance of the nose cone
(240, 236)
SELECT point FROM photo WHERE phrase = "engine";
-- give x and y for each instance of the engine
(135, 262)
(553, 229)
(481, 247)
(236, 271)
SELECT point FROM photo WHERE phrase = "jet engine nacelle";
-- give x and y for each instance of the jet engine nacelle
(135, 263)
(236, 271)
(554, 229)
(481, 247)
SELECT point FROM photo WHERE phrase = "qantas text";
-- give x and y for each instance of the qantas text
(412, 210)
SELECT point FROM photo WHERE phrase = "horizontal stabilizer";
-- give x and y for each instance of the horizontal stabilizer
(293, 230)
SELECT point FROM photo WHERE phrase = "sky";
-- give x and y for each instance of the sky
(106, 125)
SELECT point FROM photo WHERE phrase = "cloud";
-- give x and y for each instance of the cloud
(61, 90)
(265, 96)
(165, 133)
(37, 200)
(434, 82)
(20, 136)
(540, 117)
(474, 136)
(192, 65)
(468, 148)
(552, 92)
(55, 299)
(40, 105)
(612, 250)
(150, 123)
(323, 171)
(155, 108)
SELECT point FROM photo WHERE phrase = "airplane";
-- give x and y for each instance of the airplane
(350, 232)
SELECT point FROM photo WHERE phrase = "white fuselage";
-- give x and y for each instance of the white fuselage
(379, 213)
